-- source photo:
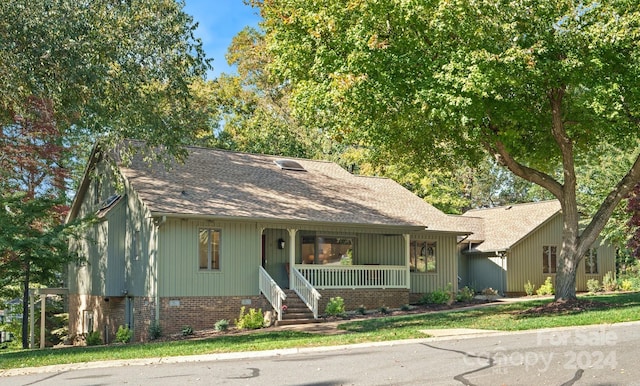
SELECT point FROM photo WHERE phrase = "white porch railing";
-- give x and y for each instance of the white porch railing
(309, 295)
(274, 294)
(355, 276)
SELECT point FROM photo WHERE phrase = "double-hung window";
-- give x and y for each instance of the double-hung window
(549, 259)
(209, 249)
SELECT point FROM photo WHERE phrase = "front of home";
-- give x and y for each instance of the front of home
(191, 244)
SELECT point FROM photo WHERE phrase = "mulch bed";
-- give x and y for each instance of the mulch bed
(564, 307)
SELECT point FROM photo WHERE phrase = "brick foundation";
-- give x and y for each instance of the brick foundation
(369, 298)
(202, 312)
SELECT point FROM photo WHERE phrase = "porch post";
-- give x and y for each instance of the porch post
(292, 251)
(407, 257)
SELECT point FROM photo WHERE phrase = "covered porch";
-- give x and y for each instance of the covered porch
(351, 263)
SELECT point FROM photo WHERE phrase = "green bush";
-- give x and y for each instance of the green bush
(252, 320)
(405, 307)
(222, 325)
(361, 310)
(546, 288)
(609, 282)
(435, 297)
(465, 294)
(155, 331)
(626, 285)
(124, 334)
(335, 307)
(593, 286)
(93, 338)
(528, 288)
(187, 330)
(384, 310)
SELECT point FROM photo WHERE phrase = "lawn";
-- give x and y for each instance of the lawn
(507, 317)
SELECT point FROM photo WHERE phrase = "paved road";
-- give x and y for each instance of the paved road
(600, 355)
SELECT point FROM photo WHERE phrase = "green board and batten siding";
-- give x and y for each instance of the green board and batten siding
(446, 264)
(240, 257)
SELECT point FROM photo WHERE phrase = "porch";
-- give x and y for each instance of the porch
(359, 285)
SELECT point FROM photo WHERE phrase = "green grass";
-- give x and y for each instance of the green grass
(508, 317)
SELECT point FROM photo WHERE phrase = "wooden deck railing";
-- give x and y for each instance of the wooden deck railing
(309, 295)
(274, 294)
(354, 276)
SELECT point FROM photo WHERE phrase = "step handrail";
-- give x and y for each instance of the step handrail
(309, 295)
(274, 294)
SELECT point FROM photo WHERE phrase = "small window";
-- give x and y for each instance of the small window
(287, 164)
(549, 259)
(422, 256)
(591, 261)
(209, 249)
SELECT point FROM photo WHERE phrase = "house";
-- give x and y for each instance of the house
(514, 244)
(188, 244)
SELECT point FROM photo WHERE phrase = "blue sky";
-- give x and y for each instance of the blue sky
(218, 22)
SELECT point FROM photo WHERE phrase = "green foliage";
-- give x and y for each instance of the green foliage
(335, 307)
(593, 286)
(435, 297)
(222, 325)
(546, 288)
(124, 334)
(465, 294)
(361, 310)
(187, 330)
(609, 282)
(528, 288)
(383, 310)
(155, 331)
(629, 285)
(405, 307)
(252, 320)
(93, 338)
(464, 80)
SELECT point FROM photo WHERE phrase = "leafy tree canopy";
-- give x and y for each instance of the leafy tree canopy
(538, 86)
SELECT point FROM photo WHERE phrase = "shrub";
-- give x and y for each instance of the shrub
(335, 306)
(155, 331)
(252, 320)
(361, 310)
(465, 294)
(546, 288)
(490, 293)
(593, 286)
(124, 334)
(187, 330)
(626, 285)
(435, 297)
(222, 325)
(383, 310)
(93, 338)
(405, 307)
(528, 288)
(609, 282)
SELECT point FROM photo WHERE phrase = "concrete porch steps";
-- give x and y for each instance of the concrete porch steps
(297, 312)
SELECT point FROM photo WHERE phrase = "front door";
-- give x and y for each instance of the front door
(275, 259)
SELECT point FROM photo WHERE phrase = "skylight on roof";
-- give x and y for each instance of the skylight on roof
(287, 164)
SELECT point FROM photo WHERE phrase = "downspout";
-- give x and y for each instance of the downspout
(155, 261)
(407, 258)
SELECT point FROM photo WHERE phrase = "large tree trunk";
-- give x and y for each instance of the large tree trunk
(565, 286)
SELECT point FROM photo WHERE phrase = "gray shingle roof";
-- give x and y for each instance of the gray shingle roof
(226, 184)
(503, 227)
